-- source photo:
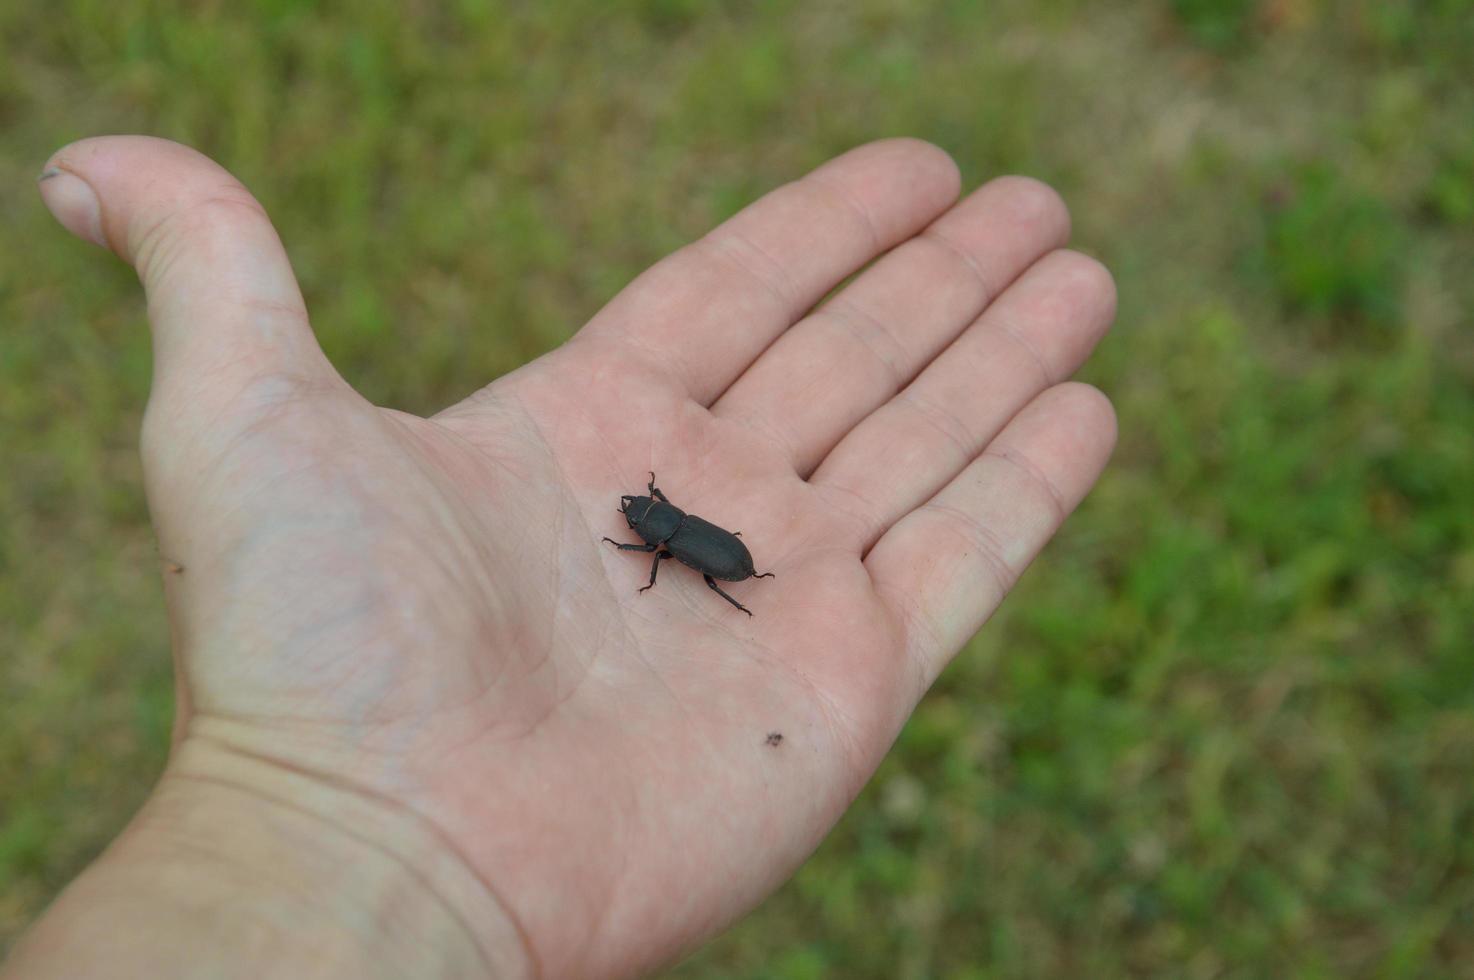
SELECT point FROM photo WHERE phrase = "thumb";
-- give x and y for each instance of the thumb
(226, 313)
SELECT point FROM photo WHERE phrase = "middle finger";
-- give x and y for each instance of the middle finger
(848, 357)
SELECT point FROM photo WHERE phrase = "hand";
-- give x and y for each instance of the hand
(417, 616)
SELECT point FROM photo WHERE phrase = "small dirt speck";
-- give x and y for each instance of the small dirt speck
(775, 738)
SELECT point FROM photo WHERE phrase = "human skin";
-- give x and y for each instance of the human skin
(425, 724)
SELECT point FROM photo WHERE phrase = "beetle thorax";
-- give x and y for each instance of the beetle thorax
(653, 520)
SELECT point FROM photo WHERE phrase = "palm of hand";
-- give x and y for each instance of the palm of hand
(497, 653)
(423, 608)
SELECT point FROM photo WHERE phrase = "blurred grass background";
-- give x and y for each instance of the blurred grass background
(1225, 728)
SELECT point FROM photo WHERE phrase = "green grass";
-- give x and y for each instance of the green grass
(1225, 728)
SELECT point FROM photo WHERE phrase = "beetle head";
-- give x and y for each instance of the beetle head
(635, 508)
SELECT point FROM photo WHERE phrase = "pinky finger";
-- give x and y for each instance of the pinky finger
(946, 566)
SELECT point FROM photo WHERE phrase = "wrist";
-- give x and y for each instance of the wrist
(238, 866)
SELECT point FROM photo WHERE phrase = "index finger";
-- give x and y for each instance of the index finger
(708, 310)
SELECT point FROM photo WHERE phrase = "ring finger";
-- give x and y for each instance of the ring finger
(1035, 336)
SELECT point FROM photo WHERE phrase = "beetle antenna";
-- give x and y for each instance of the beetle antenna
(764, 575)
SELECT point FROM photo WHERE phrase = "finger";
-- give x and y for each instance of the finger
(857, 350)
(944, 568)
(1037, 334)
(223, 303)
(703, 314)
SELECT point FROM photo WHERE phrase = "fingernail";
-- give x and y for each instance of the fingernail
(73, 203)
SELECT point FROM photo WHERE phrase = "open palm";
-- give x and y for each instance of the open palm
(422, 610)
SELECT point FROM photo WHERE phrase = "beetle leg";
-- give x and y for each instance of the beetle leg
(654, 490)
(655, 567)
(715, 588)
(764, 575)
(632, 547)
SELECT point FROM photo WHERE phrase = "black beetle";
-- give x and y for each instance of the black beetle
(713, 551)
